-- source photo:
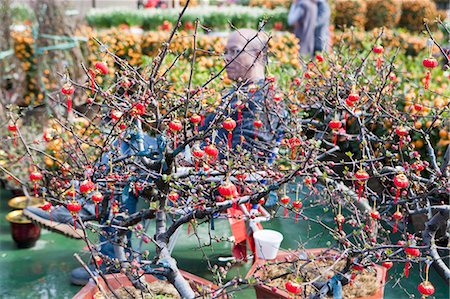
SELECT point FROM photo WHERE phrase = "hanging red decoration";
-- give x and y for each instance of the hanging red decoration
(361, 177)
(430, 63)
(378, 49)
(400, 181)
(229, 124)
(175, 125)
(258, 124)
(13, 129)
(97, 198)
(101, 67)
(397, 216)
(74, 207)
(86, 186)
(198, 154)
(212, 152)
(285, 201)
(47, 206)
(335, 125)
(426, 288)
(297, 206)
(35, 176)
(401, 132)
(195, 120)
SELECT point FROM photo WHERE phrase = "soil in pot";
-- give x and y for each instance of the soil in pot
(363, 285)
(158, 290)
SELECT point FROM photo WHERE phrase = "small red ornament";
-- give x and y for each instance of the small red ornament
(138, 109)
(229, 124)
(195, 120)
(400, 181)
(361, 176)
(397, 216)
(68, 89)
(98, 260)
(86, 186)
(227, 190)
(319, 57)
(35, 176)
(378, 49)
(212, 152)
(293, 287)
(375, 215)
(412, 251)
(47, 207)
(297, 205)
(426, 289)
(198, 154)
(401, 131)
(353, 97)
(277, 97)
(13, 129)
(97, 198)
(74, 207)
(430, 63)
(270, 78)
(101, 67)
(335, 125)
(258, 124)
(175, 125)
(116, 115)
(387, 265)
(285, 201)
(173, 196)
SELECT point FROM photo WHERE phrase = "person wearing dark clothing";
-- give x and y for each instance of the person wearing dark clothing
(322, 31)
(303, 17)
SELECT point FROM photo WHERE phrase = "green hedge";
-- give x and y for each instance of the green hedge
(211, 17)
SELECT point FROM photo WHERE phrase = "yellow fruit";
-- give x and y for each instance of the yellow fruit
(418, 143)
(49, 162)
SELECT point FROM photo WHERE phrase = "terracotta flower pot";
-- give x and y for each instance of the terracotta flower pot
(23, 232)
(266, 292)
(20, 202)
(120, 280)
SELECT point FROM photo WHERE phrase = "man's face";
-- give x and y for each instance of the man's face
(241, 66)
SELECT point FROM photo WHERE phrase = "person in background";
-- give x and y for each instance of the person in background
(322, 31)
(246, 58)
(303, 17)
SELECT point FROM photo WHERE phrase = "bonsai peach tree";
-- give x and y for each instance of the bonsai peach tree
(340, 129)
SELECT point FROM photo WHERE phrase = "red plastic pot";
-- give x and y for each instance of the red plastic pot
(265, 292)
(23, 232)
(120, 280)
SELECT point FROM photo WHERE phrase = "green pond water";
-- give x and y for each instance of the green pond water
(44, 270)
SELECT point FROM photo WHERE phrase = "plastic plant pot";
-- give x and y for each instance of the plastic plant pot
(120, 280)
(266, 292)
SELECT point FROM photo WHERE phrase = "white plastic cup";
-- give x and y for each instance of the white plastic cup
(267, 243)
